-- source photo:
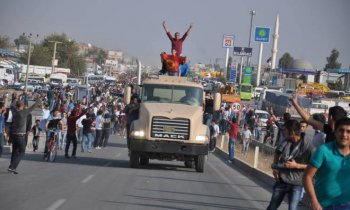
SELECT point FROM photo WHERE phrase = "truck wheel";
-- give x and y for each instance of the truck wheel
(144, 160)
(200, 160)
(134, 159)
(189, 164)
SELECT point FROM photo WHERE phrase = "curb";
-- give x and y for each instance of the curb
(263, 176)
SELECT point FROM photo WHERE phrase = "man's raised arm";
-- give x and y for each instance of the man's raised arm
(316, 124)
(187, 32)
(165, 28)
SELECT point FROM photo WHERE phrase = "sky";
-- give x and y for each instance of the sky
(309, 29)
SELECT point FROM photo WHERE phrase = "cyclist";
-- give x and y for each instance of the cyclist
(51, 126)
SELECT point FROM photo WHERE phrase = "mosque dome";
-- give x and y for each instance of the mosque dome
(302, 64)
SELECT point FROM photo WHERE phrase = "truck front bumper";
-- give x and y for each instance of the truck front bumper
(168, 147)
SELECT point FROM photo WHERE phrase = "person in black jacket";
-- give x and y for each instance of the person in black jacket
(18, 132)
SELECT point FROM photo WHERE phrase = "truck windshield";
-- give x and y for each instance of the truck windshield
(172, 94)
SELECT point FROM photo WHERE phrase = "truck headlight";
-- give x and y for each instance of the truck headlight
(138, 134)
(201, 138)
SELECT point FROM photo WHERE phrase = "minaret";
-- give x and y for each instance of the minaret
(275, 43)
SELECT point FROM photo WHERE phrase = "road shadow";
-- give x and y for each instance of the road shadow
(197, 194)
(120, 145)
(197, 204)
(86, 161)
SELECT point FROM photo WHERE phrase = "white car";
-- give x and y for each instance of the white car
(264, 116)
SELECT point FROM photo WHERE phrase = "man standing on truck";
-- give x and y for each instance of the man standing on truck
(176, 43)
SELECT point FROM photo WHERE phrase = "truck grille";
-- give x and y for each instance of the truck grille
(177, 128)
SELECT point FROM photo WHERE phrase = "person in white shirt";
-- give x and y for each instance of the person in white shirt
(247, 138)
(214, 132)
(80, 128)
(99, 127)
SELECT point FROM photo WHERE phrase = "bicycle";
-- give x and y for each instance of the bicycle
(52, 146)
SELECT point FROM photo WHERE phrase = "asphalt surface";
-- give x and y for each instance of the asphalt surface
(103, 180)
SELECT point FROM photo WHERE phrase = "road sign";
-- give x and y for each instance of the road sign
(243, 51)
(233, 74)
(236, 107)
(262, 34)
(227, 42)
(248, 70)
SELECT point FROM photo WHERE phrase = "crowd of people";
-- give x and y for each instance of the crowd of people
(318, 163)
(89, 121)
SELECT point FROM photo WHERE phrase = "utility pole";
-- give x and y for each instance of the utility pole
(252, 13)
(28, 63)
(54, 55)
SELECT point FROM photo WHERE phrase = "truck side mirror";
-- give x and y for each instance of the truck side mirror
(127, 95)
(217, 101)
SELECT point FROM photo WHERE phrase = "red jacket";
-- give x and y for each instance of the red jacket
(234, 130)
(172, 61)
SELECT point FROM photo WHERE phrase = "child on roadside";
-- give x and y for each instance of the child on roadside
(36, 134)
(214, 128)
(247, 138)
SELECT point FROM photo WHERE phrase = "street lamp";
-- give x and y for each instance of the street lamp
(54, 55)
(252, 13)
(29, 52)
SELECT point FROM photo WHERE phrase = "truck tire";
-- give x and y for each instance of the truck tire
(189, 163)
(200, 160)
(144, 160)
(134, 159)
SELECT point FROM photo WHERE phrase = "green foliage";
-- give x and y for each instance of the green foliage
(21, 40)
(332, 62)
(5, 42)
(40, 56)
(339, 85)
(98, 54)
(285, 61)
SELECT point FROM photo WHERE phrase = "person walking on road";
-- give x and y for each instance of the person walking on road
(36, 134)
(99, 129)
(106, 130)
(326, 179)
(18, 132)
(290, 160)
(232, 138)
(71, 129)
(88, 137)
(2, 126)
(247, 139)
(214, 133)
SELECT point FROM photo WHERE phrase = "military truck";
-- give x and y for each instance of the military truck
(170, 123)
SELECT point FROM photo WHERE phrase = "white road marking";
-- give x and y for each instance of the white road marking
(87, 179)
(57, 204)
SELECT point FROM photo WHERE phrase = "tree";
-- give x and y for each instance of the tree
(285, 61)
(339, 85)
(21, 40)
(332, 62)
(5, 42)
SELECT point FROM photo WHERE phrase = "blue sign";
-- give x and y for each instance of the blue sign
(242, 51)
(233, 74)
(262, 34)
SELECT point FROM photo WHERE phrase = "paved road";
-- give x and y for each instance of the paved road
(103, 180)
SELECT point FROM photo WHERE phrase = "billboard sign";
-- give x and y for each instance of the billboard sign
(262, 34)
(227, 41)
(243, 51)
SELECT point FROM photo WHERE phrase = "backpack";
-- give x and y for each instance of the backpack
(228, 127)
(211, 130)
